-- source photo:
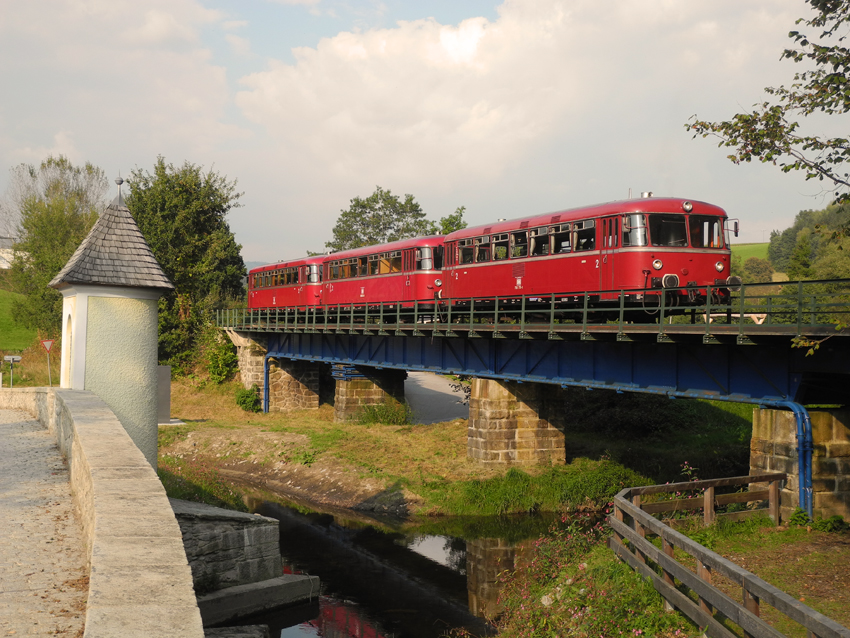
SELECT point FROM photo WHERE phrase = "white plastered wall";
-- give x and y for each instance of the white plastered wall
(112, 351)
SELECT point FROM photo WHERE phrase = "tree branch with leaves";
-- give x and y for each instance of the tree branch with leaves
(770, 133)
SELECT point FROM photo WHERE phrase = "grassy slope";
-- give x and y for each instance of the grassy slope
(12, 336)
(611, 438)
(745, 251)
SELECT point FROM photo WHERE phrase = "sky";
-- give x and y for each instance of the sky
(509, 108)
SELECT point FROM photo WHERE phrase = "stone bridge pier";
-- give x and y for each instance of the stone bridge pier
(773, 448)
(515, 423)
(299, 385)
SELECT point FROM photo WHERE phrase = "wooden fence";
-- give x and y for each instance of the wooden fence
(707, 606)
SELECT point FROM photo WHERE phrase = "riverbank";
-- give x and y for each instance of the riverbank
(221, 453)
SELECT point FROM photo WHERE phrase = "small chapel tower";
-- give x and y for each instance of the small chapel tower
(110, 288)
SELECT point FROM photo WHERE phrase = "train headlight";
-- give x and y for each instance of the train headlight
(719, 266)
(657, 264)
(438, 282)
(687, 207)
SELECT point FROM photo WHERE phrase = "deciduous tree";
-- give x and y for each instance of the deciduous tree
(383, 217)
(771, 132)
(54, 206)
(182, 213)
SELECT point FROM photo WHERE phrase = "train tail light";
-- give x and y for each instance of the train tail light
(670, 281)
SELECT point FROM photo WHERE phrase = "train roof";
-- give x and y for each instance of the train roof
(290, 263)
(637, 205)
(430, 240)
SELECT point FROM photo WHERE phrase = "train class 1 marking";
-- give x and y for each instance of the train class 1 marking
(643, 247)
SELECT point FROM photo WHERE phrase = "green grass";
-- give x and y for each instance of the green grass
(582, 483)
(12, 336)
(745, 251)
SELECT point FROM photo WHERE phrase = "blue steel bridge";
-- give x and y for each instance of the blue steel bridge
(779, 344)
(751, 350)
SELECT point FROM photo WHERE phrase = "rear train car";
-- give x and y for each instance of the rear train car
(295, 283)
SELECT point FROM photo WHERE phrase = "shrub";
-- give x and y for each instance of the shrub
(249, 399)
(218, 355)
(390, 412)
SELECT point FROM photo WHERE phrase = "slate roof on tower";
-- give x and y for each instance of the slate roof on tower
(114, 253)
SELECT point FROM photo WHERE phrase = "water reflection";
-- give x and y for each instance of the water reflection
(396, 579)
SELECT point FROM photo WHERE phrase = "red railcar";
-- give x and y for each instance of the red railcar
(636, 245)
(403, 271)
(290, 283)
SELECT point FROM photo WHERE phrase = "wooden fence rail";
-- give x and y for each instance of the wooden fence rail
(632, 522)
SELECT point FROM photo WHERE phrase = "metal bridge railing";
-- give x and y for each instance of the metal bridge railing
(800, 308)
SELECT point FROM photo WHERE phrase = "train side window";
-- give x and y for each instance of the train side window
(519, 244)
(634, 230)
(584, 235)
(374, 264)
(705, 232)
(539, 241)
(500, 246)
(560, 238)
(395, 261)
(466, 250)
(482, 249)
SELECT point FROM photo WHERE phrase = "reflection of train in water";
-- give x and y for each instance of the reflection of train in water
(639, 246)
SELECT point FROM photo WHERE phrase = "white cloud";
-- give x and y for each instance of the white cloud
(239, 46)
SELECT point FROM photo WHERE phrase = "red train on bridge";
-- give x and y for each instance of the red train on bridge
(640, 246)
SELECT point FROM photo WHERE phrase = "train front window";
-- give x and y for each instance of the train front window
(667, 230)
(634, 230)
(313, 274)
(705, 231)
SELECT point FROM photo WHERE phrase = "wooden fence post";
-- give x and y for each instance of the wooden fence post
(639, 528)
(751, 604)
(704, 572)
(773, 501)
(708, 506)
(668, 549)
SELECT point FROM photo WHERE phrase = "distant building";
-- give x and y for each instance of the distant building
(6, 252)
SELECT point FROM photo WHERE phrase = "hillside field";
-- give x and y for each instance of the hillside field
(745, 251)
(12, 336)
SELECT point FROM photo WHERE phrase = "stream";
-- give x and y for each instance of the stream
(395, 579)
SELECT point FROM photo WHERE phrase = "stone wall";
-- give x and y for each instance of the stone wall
(227, 548)
(140, 582)
(774, 448)
(250, 352)
(511, 422)
(376, 387)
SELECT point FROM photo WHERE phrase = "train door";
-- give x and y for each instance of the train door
(610, 241)
(408, 267)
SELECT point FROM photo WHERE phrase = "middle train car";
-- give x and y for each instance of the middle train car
(399, 272)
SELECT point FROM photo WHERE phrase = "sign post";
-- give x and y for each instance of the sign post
(12, 359)
(48, 343)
